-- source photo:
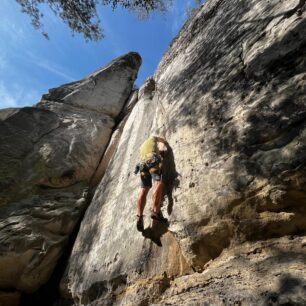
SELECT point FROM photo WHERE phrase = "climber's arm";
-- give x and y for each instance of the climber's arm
(162, 140)
(162, 146)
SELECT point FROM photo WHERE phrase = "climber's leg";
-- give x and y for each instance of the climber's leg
(142, 198)
(157, 196)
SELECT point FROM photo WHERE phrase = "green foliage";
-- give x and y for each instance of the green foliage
(81, 15)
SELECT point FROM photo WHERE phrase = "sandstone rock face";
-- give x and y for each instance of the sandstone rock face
(104, 91)
(106, 264)
(233, 88)
(112, 146)
(229, 96)
(262, 273)
(48, 155)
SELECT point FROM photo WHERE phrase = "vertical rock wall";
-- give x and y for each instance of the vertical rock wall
(109, 252)
(233, 88)
(48, 154)
(229, 96)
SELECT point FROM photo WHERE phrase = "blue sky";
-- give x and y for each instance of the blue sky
(31, 64)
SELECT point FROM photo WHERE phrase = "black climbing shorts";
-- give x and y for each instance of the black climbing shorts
(147, 176)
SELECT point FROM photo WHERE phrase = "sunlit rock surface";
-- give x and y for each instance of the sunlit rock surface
(233, 88)
(229, 95)
(109, 264)
(104, 91)
(48, 154)
(262, 273)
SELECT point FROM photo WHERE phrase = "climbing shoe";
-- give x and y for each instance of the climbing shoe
(139, 224)
(158, 217)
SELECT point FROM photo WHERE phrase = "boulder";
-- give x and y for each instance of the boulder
(48, 155)
(233, 88)
(229, 97)
(103, 265)
(270, 272)
(105, 90)
(112, 145)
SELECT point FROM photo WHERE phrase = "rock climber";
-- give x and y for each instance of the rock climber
(150, 168)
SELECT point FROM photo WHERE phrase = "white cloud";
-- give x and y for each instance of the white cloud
(6, 98)
(17, 96)
(29, 97)
(114, 41)
(49, 67)
(52, 68)
(178, 15)
(11, 32)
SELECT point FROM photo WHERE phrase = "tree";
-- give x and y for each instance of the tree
(81, 15)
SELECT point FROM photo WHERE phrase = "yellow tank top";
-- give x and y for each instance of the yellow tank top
(148, 148)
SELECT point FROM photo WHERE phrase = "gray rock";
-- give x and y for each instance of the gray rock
(261, 273)
(34, 232)
(104, 91)
(105, 263)
(112, 145)
(233, 88)
(9, 298)
(48, 155)
(229, 96)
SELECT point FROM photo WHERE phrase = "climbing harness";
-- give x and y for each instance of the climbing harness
(148, 166)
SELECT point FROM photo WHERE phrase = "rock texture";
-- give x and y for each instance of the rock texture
(233, 87)
(109, 264)
(262, 273)
(124, 115)
(229, 96)
(48, 154)
(104, 91)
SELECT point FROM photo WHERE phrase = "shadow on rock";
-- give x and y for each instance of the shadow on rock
(170, 178)
(156, 230)
(290, 288)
